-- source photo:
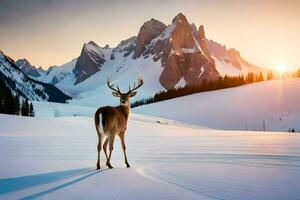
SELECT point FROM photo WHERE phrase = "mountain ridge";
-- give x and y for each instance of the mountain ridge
(168, 56)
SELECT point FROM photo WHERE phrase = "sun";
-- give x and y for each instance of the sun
(281, 68)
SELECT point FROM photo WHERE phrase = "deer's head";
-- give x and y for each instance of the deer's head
(125, 97)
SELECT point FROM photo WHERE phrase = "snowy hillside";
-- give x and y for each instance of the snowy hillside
(56, 74)
(275, 103)
(54, 158)
(167, 56)
(26, 87)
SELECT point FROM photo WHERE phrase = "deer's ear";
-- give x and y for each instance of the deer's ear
(115, 94)
(133, 94)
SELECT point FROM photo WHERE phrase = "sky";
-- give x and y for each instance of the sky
(52, 32)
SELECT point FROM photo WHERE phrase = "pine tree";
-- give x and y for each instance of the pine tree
(17, 105)
(260, 77)
(250, 77)
(270, 75)
(9, 104)
(25, 108)
(31, 110)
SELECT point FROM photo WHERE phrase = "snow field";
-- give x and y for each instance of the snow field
(54, 158)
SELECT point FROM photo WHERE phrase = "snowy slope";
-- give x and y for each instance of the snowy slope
(276, 102)
(54, 158)
(225, 68)
(57, 74)
(123, 74)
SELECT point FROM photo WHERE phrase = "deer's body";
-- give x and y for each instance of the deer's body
(112, 121)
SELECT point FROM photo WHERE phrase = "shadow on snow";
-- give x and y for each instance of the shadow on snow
(9, 185)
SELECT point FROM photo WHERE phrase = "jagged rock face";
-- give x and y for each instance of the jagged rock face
(89, 62)
(234, 57)
(183, 53)
(150, 30)
(202, 41)
(27, 68)
(126, 46)
(231, 56)
(216, 49)
(41, 70)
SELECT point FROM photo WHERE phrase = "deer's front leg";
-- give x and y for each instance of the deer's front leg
(122, 139)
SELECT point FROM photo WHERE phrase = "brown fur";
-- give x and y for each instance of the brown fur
(115, 118)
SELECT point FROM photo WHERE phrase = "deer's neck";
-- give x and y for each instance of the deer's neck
(125, 109)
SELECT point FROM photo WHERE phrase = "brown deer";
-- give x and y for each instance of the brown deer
(112, 121)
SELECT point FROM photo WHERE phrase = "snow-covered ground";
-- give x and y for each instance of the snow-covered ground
(275, 103)
(54, 158)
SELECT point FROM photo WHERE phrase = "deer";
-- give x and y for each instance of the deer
(112, 121)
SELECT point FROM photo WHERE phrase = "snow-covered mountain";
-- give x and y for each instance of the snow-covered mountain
(28, 69)
(23, 85)
(167, 56)
(89, 62)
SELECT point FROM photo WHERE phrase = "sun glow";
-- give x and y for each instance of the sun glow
(281, 68)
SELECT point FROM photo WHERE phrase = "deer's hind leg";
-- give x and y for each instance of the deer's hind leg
(101, 138)
(105, 148)
(111, 139)
(98, 149)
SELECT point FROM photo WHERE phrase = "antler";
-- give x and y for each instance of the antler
(140, 83)
(111, 86)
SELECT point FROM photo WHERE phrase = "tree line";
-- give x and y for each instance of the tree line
(221, 83)
(292, 74)
(13, 104)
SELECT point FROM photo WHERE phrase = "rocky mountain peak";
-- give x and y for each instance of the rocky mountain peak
(182, 35)
(149, 30)
(27, 68)
(186, 56)
(233, 53)
(126, 47)
(180, 18)
(202, 41)
(40, 69)
(194, 28)
(92, 43)
(89, 61)
(24, 61)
